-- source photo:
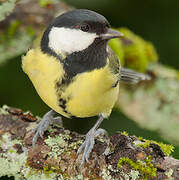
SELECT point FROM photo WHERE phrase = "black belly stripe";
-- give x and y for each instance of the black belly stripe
(60, 88)
(62, 104)
(116, 83)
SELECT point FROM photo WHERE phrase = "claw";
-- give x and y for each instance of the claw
(58, 120)
(41, 134)
(89, 142)
(81, 148)
(47, 120)
(34, 140)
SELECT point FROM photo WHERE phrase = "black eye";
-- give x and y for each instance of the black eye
(85, 27)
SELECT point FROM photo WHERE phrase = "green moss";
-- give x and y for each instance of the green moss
(52, 169)
(140, 138)
(133, 51)
(12, 29)
(12, 151)
(150, 52)
(124, 133)
(166, 148)
(145, 143)
(45, 3)
(30, 31)
(116, 46)
(9, 32)
(146, 168)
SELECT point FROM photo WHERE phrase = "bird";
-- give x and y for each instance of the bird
(75, 72)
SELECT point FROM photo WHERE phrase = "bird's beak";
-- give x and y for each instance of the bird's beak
(111, 33)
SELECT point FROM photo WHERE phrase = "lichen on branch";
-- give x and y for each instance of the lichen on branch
(55, 156)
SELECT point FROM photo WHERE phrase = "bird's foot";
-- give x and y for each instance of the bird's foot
(89, 142)
(47, 120)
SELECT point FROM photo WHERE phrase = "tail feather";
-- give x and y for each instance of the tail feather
(131, 76)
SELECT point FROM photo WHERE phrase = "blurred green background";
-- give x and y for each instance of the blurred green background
(156, 21)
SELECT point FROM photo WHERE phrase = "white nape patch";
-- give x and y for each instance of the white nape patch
(66, 40)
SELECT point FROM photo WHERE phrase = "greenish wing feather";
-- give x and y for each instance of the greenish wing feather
(114, 62)
(124, 74)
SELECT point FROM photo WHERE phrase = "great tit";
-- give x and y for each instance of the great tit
(76, 73)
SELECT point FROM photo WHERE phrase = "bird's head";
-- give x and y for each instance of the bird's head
(75, 31)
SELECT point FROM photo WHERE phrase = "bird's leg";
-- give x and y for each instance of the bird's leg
(47, 120)
(88, 144)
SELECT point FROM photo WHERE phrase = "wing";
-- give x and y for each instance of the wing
(131, 76)
(124, 74)
(114, 62)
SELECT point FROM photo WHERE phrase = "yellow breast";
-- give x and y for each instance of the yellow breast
(89, 93)
(44, 71)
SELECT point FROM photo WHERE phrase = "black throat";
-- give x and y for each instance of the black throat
(93, 57)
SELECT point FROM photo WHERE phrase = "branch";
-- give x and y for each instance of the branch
(154, 105)
(21, 22)
(55, 157)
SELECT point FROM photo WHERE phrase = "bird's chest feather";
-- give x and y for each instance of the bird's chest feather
(91, 93)
(87, 94)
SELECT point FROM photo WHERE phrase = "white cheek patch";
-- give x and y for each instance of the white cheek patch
(65, 40)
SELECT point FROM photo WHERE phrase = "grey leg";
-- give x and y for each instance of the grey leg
(88, 144)
(47, 120)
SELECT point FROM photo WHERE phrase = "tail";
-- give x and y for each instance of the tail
(131, 76)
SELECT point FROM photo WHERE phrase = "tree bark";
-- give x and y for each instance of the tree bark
(55, 156)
